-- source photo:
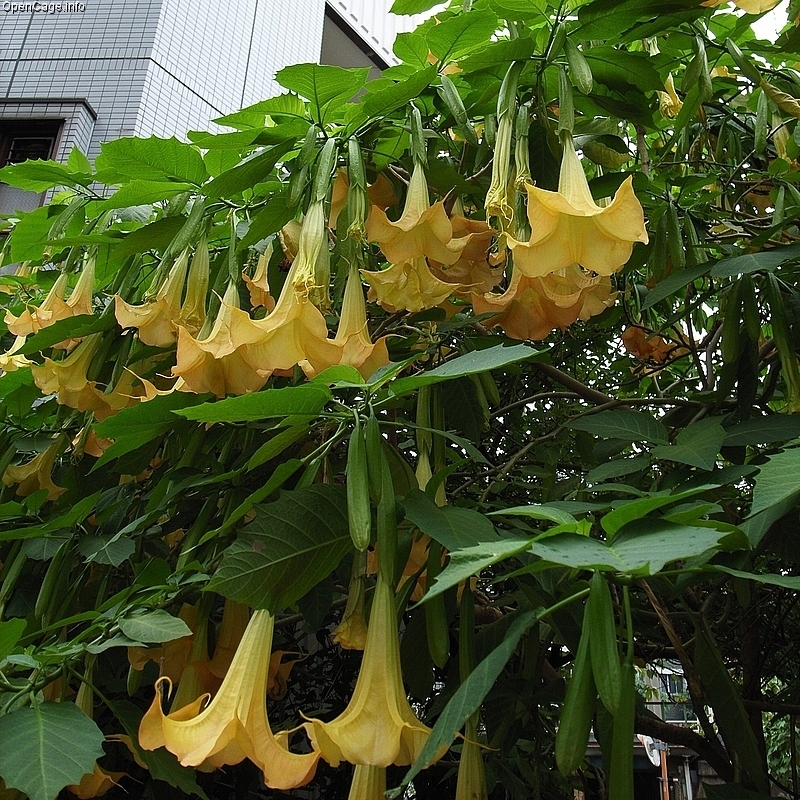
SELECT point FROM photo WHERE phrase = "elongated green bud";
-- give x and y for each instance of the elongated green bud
(359, 515)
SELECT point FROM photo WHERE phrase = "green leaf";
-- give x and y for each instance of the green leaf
(673, 283)
(777, 481)
(636, 509)
(154, 627)
(152, 159)
(468, 697)
(64, 521)
(384, 101)
(37, 176)
(269, 220)
(289, 547)
(411, 6)
(47, 747)
(10, 632)
(70, 328)
(469, 364)
(325, 87)
(766, 260)
(641, 548)
(248, 173)
(627, 426)
(537, 512)
(498, 53)
(78, 162)
(411, 48)
(784, 581)
(469, 561)
(111, 549)
(697, 445)
(619, 69)
(135, 426)
(140, 193)
(307, 399)
(617, 469)
(453, 527)
(277, 444)
(464, 412)
(457, 35)
(29, 236)
(763, 430)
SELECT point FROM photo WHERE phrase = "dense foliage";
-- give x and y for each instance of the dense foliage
(557, 445)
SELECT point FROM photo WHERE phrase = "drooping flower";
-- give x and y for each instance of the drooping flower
(533, 307)
(471, 783)
(351, 632)
(11, 360)
(568, 227)
(378, 727)
(235, 617)
(67, 378)
(380, 194)
(422, 230)
(36, 474)
(258, 285)
(54, 308)
(193, 309)
(668, 101)
(155, 320)
(352, 335)
(409, 285)
(472, 271)
(217, 363)
(234, 725)
(498, 203)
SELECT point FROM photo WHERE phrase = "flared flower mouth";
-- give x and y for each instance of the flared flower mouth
(568, 227)
(378, 727)
(234, 724)
(35, 475)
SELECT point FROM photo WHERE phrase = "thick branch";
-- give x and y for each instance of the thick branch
(574, 385)
(686, 737)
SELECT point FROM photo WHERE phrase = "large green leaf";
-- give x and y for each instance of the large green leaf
(619, 69)
(289, 547)
(248, 173)
(784, 581)
(777, 481)
(46, 747)
(461, 33)
(499, 53)
(269, 220)
(152, 159)
(135, 426)
(70, 328)
(154, 627)
(38, 176)
(766, 260)
(390, 98)
(763, 430)
(453, 527)
(10, 631)
(325, 87)
(74, 515)
(469, 364)
(643, 547)
(139, 193)
(29, 235)
(628, 511)
(411, 6)
(697, 445)
(468, 697)
(307, 399)
(471, 561)
(627, 426)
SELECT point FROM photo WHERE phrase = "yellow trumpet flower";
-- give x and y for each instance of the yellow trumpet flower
(422, 230)
(471, 783)
(11, 361)
(351, 632)
(748, 6)
(54, 308)
(35, 475)
(234, 725)
(498, 204)
(352, 336)
(258, 285)
(568, 227)
(67, 378)
(378, 727)
(668, 101)
(155, 320)
(533, 307)
(217, 363)
(409, 285)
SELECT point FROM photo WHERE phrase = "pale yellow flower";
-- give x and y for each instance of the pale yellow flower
(35, 475)
(422, 230)
(234, 725)
(378, 727)
(409, 285)
(352, 335)
(193, 310)
(11, 361)
(668, 101)
(748, 6)
(531, 308)
(498, 204)
(568, 227)
(258, 285)
(471, 783)
(156, 320)
(369, 783)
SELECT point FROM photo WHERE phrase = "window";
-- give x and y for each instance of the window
(21, 140)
